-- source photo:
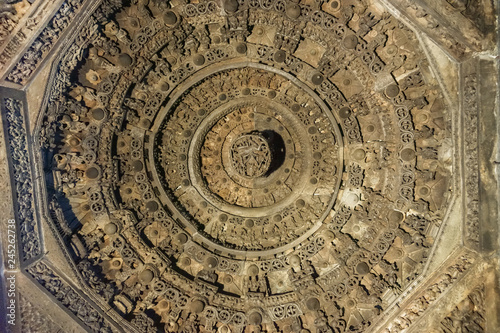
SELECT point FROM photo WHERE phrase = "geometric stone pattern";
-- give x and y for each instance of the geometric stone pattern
(250, 166)
(22, 174)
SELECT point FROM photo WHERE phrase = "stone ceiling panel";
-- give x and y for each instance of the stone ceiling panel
(254, 166)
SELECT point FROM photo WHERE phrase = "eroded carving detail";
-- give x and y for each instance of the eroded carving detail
(430, 295)
(471, 159)
(34, 321)
(26, 219)
(68, 297)
(468, 316)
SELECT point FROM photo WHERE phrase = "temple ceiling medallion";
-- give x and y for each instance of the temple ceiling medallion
(247, 166)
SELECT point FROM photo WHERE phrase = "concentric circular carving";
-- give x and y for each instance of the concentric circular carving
(245, 161)
(249, 163)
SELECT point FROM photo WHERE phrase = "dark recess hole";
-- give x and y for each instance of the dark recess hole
(278, 150)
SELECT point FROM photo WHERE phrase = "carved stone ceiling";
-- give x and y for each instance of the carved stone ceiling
(254, 165)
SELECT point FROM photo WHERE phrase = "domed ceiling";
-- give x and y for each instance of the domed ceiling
(248, 166)
(252, 164)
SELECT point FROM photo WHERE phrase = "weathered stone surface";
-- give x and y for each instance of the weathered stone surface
(254, 166)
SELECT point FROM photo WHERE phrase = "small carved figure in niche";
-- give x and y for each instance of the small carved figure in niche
(428, 153)
(143, 11)
(163, 67)
(61, 162)
(153, 78)
(191, 45)
(424, 133)
(112, 29)
(201, 34)
(207, 275)
(72, 123)
(366, 23)
(70, 178)
(85, 94)
(237, 26)
(256, 284)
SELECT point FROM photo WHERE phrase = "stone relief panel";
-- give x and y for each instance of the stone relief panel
(424, 300)
(19, 20)
(6, 205)
(460, 27)
(70, 298)
(44, 42)
(471, 158)
(10, 15)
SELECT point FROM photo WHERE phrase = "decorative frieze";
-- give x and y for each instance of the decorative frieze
(21, 20)
(22, 182)
(470, 121)
(44, 42)
(425, 299)
(70, 298)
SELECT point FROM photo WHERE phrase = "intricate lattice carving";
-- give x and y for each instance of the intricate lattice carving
(69, 297)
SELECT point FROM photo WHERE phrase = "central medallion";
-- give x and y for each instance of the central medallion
(251, 167)
(243, 156)
(250, 155)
